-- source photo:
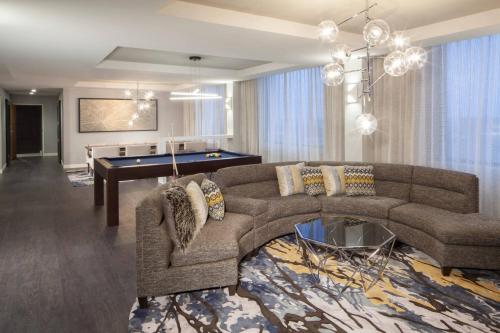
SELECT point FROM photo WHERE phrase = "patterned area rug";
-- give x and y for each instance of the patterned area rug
(79, 178)
(277, 294)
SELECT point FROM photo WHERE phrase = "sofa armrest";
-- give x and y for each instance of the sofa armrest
(153, 244)
(243, 205)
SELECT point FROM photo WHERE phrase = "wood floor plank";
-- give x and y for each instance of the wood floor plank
(61, 268)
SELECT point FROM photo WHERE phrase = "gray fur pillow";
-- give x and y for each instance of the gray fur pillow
(179, 216)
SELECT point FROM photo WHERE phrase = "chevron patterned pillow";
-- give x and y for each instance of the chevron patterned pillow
(359, 180)
(313, 180)
(215, 200)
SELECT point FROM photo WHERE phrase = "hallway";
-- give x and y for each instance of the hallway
(61, 268)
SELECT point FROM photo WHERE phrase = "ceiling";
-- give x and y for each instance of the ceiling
(180, 59)
(402, 14)
(67, 43)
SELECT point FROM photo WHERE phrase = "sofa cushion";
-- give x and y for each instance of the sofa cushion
(446, 189)
(449, 227)
(297, 204)
(217, 240)
(374, 206)
(289, 179)
(214, 198)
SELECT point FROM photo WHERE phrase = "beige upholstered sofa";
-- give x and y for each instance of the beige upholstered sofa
(431, 209)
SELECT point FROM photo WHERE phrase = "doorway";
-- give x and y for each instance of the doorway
(27, 134)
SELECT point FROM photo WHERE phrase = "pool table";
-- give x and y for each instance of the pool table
(116, 169)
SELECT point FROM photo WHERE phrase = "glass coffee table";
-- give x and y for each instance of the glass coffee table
(361, 247)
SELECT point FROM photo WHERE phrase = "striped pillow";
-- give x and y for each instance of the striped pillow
(215, 200)
(289, 179)
(359, 180)
(333, 177)
(313, 180)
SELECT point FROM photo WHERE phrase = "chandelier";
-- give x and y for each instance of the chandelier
(196, 94)
(376, 33)
(142, 99)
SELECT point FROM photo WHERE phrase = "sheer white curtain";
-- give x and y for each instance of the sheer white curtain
(292, 114)
(447, 115)
(246, 118)
(206, 117)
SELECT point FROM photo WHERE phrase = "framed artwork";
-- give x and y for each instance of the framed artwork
(116, 115)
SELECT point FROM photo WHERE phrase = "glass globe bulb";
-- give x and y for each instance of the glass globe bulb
(131, 123)
(128, 93)
(376, 32)
(395, 63)
(366, 123)
(328, 31)
(416, 57)
(332, 74)
(149, 95)
(399, 42)
(341, 52)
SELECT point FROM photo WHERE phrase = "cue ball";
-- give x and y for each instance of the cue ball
(138, 160)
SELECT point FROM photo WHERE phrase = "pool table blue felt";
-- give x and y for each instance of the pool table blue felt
(167, 158)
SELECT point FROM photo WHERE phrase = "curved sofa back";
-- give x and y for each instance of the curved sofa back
(446, 189)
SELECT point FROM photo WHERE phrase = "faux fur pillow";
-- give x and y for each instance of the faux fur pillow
(177, 205)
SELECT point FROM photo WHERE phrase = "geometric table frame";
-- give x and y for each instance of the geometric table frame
(368, 261)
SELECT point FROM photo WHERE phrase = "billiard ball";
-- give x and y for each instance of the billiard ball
(138, 161)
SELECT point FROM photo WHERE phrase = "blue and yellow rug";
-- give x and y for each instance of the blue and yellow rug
(277, 294)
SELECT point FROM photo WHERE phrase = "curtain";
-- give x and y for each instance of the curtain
(446, 115)
(208, 116)
(290, 116)
(246, 120)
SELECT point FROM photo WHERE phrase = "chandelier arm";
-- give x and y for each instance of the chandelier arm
(356, 15)
(371, 85)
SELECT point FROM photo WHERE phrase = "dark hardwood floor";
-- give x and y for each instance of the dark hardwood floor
(61, 268)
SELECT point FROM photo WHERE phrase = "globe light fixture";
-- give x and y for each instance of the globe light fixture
(376, 32)
(340, 52)
(416, 57)
(399, 42)
(366, 124)
(328, 31)
(332, 74)
(395, 63)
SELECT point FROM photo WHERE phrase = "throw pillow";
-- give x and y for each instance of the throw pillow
(215, 200)
(289, 179)
(313, 180)
(359, 180)
(333, 177)
(198, 203)
(184, 222)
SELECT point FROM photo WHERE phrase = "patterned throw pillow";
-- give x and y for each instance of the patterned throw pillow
(359, 180)
(289, 179)
(214, 198)
(333, 177)
(313, 180)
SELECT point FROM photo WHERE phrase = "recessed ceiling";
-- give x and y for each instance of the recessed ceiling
(401, 14)
(39, 92)
(179, 59)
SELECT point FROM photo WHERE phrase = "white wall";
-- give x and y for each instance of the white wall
(49, 118)
(73, 142)
(3, 128)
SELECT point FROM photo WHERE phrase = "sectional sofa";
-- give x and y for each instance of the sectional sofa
(431, 209)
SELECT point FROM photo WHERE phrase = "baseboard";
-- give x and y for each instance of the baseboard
(74, 166)
(3, 168)
(50, 154)
(29, 155)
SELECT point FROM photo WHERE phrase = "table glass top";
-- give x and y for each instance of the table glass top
(344, 232)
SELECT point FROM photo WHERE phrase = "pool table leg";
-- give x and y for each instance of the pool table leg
(112, 202)
(98, 190)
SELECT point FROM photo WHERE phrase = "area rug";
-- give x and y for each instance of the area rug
(79, 178)
(277, 294)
